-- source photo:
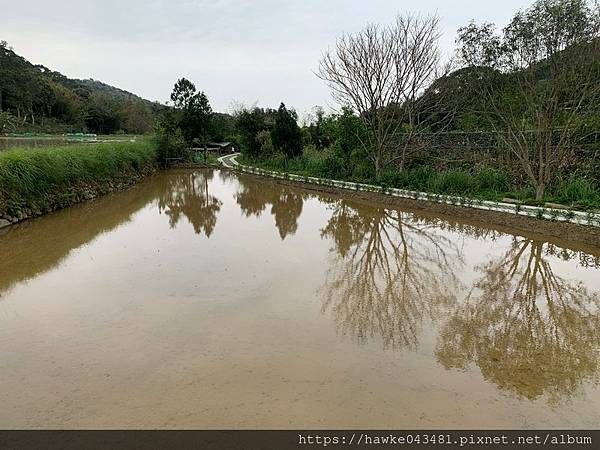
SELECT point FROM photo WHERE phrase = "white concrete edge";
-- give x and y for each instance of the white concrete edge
(561, 215)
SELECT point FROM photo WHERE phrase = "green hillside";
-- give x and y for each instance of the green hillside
(34, 98)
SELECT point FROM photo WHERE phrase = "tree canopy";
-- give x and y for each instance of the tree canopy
(286, 133)
(194, 114)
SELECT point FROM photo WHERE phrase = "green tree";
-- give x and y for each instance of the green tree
(168, 138)
(7, 122)
(319, 129)
(351, 133)
(286, 133)
(137, 117)
(479, 45)
(182, 93)
(66, 105)
(101, 115)
(223, 127)
(249, 123)
(266, 143)
(197, 119)
(194, 111)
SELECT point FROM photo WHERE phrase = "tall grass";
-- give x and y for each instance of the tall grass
(485, 183)
(28, 176)
(577, 191)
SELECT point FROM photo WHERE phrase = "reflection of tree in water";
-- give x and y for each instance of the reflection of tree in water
(390, 272)
(527, 329)
(584, 259)
(187, 194)
(286, 204)
(227, 177)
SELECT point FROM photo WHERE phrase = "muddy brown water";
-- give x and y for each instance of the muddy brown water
(204, 299)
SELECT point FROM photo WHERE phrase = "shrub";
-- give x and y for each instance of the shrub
(453, 182)
(169, 144)
(419, 179)
(493, 180)
(577, 190)
(266, 143)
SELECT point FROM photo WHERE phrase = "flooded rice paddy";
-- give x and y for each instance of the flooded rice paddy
(9, 143)
(41, 142)
(204, 299)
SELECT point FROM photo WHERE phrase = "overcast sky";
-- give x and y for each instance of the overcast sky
(262, 51)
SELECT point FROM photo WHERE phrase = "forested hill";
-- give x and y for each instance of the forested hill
(35, 98)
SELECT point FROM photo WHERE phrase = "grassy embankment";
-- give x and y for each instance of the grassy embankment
(486, 184)
(37, 181)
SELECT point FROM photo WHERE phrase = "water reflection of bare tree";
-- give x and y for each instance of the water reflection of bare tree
(187, 194)
(286, 204)
(527, 329)
(390, 272)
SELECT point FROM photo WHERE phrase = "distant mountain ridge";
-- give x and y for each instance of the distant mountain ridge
(95, 85)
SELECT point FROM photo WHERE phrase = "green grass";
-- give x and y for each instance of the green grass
(29, 176)
(577, 191)
(211, 159)
(485, 183)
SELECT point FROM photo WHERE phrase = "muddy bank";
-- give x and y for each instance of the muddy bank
(509, 223)
(73, 194)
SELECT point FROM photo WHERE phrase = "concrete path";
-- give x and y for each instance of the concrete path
(229, 161)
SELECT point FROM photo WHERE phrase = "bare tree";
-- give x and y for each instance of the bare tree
(380, 72)
(544, 134)
(543, 82)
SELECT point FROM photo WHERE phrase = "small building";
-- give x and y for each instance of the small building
(215, 147)
(222, 147)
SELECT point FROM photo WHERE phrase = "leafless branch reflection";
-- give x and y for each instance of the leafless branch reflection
(390, 272)
(527, 329)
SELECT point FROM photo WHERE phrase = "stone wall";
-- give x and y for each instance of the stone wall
(486, 149)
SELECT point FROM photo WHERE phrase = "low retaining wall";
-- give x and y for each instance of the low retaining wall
(562, 215)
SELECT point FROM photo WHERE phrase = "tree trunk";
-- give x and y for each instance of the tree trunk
(539, 191)
(378, 168)
(402, 159)
(400, 162)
